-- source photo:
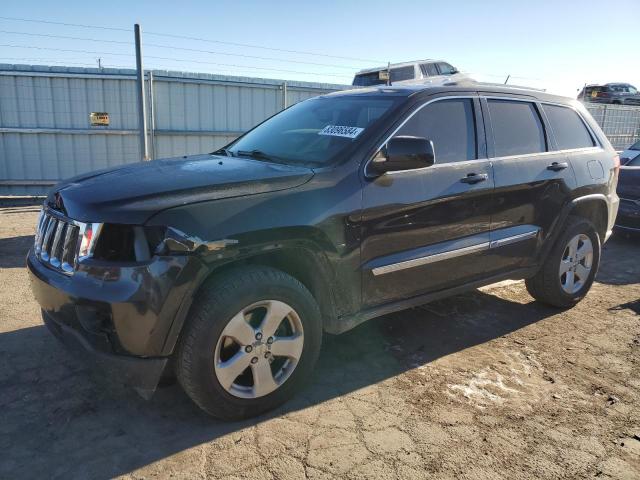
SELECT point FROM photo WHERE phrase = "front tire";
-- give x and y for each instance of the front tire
(252, 338)
(570, 268)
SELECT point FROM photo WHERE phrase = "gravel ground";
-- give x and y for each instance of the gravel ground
(485, 385)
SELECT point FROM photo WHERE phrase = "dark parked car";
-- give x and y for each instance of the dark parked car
(226, 268)
(628, 219)
(630, 154)
(613, 93)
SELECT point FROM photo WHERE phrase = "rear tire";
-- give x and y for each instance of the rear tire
(225, 362)
(570, 268)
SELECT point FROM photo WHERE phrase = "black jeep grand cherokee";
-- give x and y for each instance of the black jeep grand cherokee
(227, 268)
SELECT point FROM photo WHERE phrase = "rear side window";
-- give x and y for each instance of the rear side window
(517, 128)
(402, 73)
(450, 125)
(429, 69)
(568, 128)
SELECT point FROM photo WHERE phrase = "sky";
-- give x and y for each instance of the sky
(556, 45)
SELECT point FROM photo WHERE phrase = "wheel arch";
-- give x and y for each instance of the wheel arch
(595, 209)
(303, 262)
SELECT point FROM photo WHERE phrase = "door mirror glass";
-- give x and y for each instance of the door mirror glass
(404, 153)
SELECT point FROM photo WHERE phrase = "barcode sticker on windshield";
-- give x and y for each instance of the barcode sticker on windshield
(339, 131)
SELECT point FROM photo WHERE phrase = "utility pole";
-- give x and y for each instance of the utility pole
(142, 110)
(99, 60)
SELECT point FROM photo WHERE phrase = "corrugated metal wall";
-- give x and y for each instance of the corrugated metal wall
(45, 133)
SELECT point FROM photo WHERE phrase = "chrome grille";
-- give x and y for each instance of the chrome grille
(56, 242)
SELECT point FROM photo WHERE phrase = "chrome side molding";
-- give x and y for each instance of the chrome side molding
(458, 252)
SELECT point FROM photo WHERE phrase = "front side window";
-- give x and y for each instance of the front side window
(314, 132)
(445, 68)
(517, 128)
(450, 125)
(402, 73)
(568, 128)
(429, 69)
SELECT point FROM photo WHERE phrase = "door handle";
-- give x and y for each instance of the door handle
(556, 167)
(474, 178)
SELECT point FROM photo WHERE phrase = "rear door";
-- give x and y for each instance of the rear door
(424, 230)
(533, 179)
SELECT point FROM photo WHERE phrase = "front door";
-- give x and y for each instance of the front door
(424, 230)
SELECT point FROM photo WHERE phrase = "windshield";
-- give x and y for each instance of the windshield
(315, 131)
(623, 88)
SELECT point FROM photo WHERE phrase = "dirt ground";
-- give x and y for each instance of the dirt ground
(486, 385)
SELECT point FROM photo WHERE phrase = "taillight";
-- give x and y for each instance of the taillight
(616, 163)
(602, 95)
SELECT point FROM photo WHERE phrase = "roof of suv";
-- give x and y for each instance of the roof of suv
(397, 65)
(407, 90)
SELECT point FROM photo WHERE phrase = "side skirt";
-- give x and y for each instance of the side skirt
(344, 324)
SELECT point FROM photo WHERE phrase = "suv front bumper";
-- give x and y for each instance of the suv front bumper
(143, 374)
(122, 318)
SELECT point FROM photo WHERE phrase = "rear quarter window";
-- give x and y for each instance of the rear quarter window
(568, 128)
(517, 128)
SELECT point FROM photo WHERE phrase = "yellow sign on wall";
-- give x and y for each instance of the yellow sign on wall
(99, 119)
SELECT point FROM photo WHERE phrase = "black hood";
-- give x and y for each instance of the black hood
(132, 193)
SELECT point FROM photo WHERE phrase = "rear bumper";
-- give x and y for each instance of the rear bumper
(143, 374)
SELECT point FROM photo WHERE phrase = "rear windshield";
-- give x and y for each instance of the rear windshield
(368, 79)
(314, 132)
(635, 146)
(633, 163)
(395, 75)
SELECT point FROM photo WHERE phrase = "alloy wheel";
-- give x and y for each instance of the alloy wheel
(259, 349)
(576, 263)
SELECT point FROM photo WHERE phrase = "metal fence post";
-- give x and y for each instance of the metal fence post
(152, 117)
(284, 95)
(142, 113)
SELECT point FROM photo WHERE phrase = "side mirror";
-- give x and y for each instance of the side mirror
(454, 71)
(404, 153)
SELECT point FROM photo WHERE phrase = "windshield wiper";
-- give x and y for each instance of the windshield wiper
(257, 154)
(223, 151)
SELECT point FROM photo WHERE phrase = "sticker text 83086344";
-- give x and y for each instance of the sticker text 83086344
(341, 131)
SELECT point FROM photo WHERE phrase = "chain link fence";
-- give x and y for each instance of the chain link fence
(620, 124)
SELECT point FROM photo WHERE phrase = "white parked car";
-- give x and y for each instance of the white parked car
(425, 72)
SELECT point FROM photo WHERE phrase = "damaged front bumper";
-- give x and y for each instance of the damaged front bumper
(125, 318)
(143, 374)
